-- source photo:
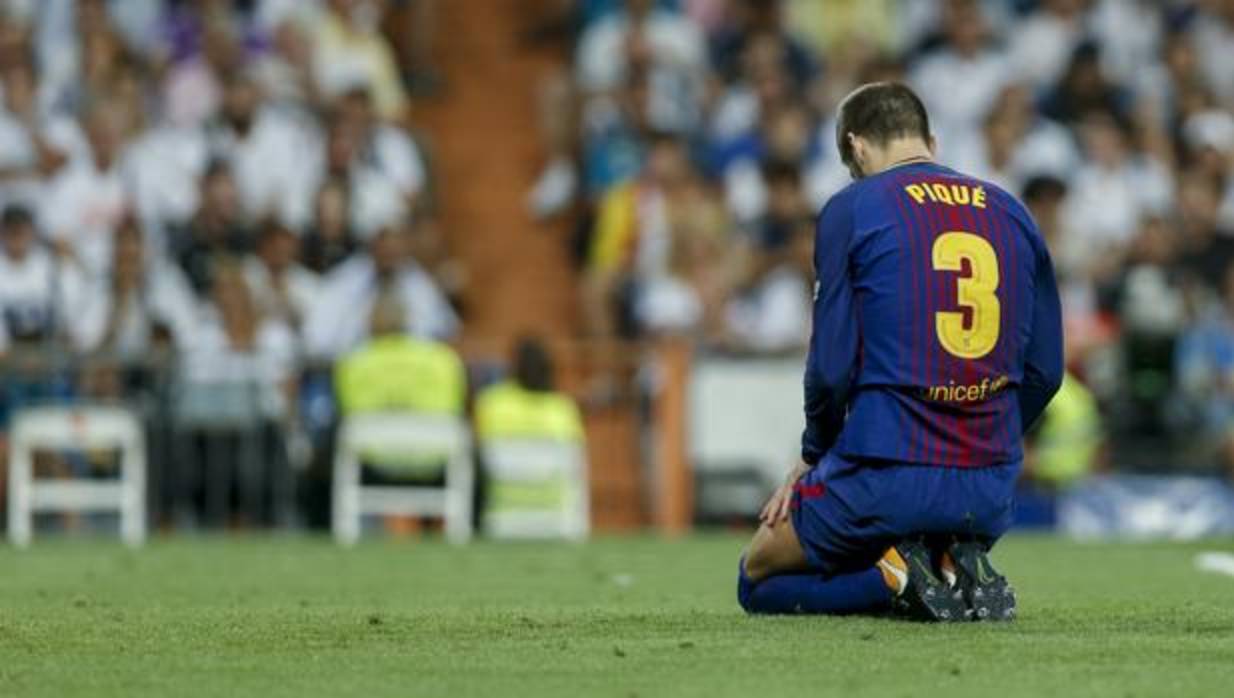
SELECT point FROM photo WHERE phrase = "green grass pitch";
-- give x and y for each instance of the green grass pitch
(297, 617)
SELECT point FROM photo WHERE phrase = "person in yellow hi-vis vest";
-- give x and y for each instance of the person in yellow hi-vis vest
(395, 372)
(1067, 442)
(526, 406)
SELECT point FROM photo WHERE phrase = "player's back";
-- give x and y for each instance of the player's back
(945, 271)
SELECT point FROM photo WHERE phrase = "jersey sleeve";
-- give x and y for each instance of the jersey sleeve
(1043, 358)
(834, 338)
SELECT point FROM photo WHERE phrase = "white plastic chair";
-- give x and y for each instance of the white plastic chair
(77, 428)
(404, 434)
(537, 461)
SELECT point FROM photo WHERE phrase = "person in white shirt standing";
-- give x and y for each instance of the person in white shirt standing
(32, 284)
(961, 81)
(339, 321)
(83, 205)
(270, 151)
(641, 36)
(34, 144)
(141, 301)
(282, 289)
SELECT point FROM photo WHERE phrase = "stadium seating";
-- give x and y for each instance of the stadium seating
(79, 429)
(537, 489)
(419, 436)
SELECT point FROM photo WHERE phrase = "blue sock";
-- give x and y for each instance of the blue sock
(857, 592)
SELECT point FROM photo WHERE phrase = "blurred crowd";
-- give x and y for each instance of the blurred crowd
(209, 176)
(696, 138)
(221, 192)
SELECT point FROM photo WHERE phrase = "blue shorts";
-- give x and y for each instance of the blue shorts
(847, 514)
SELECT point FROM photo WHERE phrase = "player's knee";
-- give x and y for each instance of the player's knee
(753, 569)
(757, 563)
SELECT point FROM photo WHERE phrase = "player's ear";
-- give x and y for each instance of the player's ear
(854, 143)
(932, 144)
(857, 148)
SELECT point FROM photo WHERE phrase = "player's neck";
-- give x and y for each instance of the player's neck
(900, 152)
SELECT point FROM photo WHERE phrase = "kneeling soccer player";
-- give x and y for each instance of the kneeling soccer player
(936, 342)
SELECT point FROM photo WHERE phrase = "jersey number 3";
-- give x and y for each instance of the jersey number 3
(975, 292)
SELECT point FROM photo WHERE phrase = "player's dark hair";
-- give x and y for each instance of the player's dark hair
(880, 112)
(533, 366)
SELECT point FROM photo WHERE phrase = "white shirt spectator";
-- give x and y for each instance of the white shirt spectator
(655, 236)
(269, 14)
(1156, 91)
(673, 40)
(285, 71)
(56, 33)
(1041, 46)
(302, 288)
(162, 169)
(972, 157)
(57, 50)
(745, 192)
(1106, 205)
(32, 295)
(668, 305)
(735, 112)
(959, 90)
(137, 21)
(18, 152)
(389, 171)
(1214, 129)
(211, 360)
(1214, 44)
(1129, 32)
(775, 315)
(164, 299)
(745, 189)
(392, 152)
(81, 207)
(1047, 149)
(1151, 304)
(384, 177)
(376, 201)
(340, 320)
(274, 164)
(1211, 128)
(917, 20)
(354, 53)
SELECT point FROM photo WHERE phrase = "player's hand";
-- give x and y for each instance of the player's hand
(776, 509)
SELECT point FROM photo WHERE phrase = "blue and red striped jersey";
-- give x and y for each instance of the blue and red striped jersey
(937, 334)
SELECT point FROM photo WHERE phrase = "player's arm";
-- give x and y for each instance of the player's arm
(1043, 365)
(834, 338)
